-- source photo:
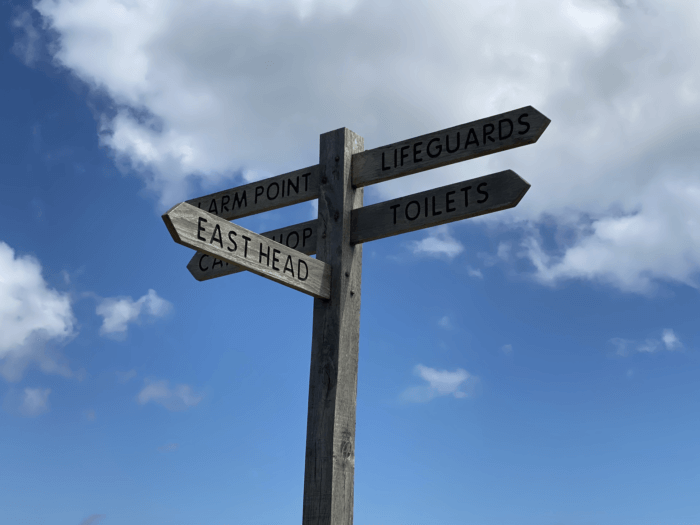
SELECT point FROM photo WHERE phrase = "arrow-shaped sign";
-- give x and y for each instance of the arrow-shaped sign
(234, 244)
(475, 139)
(300, 237)
(487, 194)
(264, 195)
(463, 200)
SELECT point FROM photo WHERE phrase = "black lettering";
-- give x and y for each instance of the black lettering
(277, 190)
(417, 210)
(212, 207)
(395, 150)
(296, 242)
(243, 200)
(439, 148)
(402, 154)
(245, 247)
(447, 144)
(384, 168)
(288, 266)
(217, 262)
(290, 185)
(500, 128)
(200, 262)
(435, 212)
(217, 229)
(466, 195)
(486, 195)
(488, 129)
(258, 193)
(224, 201)
(305, 235)
(231, 236)
(520, 121)
(306, 181)
(394, 207)
(275, 253)
(416, 152)
(200, 229)
(449, 201)
(471, 138)
(282, 187)
(266, 255)
(425, 208)
(299, 270)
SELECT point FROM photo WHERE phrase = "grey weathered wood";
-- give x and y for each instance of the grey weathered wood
(300, 237)
(330, 432)
(495, 192)
(229, 242)
(468, 141)
(264, 195)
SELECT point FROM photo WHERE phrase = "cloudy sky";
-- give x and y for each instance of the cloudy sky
(536, 366)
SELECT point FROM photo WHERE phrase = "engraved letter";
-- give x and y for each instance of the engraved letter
(245, 247)
(288, 266)
(416, 152)
(486, 195)
(217, 229)
(200, 229)
(500, 128)
(266, 255)
(466, 195)
(488, 129)
(306, 271)
(200, 262)
(417, 210)
(231, 236)
(394, 207)
(384, 168)
(258, 193)
(449, 201)
(439, 148)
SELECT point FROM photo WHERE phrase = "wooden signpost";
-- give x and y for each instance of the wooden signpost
(334, 277)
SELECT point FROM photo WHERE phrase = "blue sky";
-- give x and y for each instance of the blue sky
(537, 366)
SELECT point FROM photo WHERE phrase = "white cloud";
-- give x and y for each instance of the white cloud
(31, 315)
(118, 312)
(475, 272)
(668, 341)
(445, 322)
(125, 377)
(35, 401)
(26, 45)
(438, 243)
(459, 384)
(205, 90)
(180, 397)
(507, 349)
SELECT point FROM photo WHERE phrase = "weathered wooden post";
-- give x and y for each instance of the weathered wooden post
(334, 278)
(330, 432)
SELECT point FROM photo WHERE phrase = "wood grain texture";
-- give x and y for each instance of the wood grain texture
(475, 139)
(229, 242)
(264, 195)
(300, 237)
(488, 194)
(330, 435)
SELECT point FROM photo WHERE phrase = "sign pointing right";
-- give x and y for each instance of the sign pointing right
(487, 194)
(513, 129)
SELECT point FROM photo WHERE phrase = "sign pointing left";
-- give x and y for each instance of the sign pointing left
(229, 242)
